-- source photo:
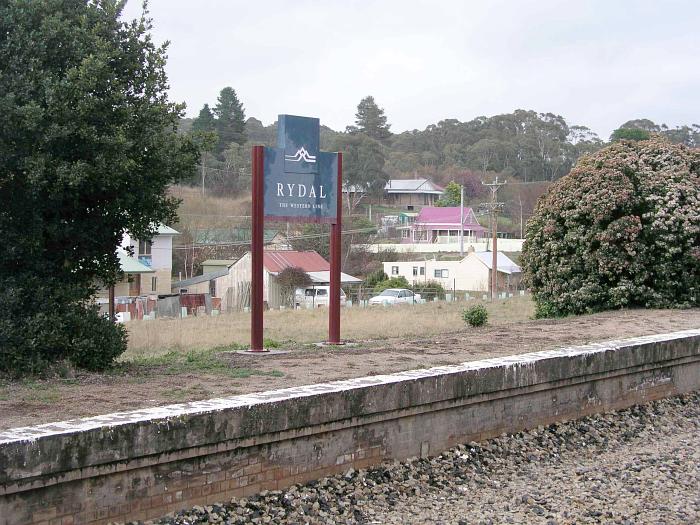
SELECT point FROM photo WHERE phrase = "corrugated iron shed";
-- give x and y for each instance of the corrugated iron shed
(277, 260)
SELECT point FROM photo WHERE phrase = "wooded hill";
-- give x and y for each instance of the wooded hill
(523, 146)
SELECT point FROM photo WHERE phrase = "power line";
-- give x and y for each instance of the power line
(230, 172)
(247, 243)
(215, 215)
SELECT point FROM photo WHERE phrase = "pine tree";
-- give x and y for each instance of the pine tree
(230, 120)
(370, 119)
(205, 121)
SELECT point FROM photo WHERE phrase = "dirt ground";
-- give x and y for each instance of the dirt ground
(35, 402)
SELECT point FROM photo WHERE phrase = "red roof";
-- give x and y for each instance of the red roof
(277, 260)
(448, 215)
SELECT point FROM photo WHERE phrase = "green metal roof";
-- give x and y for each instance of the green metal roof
(130, 265)
(229, 235)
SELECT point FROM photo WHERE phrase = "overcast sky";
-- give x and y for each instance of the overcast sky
(596, 63)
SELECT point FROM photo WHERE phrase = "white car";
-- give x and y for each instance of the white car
(395, 296)
(315, 296)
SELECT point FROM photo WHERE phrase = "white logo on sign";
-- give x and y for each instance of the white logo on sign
(300, 155)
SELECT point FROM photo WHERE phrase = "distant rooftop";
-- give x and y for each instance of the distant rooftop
(219, 262)
(199, 279)
(229, 235)
(129, 264)
(447, 216)
(413, 186)
(505, 265)
(325, 277)
(310, 261)
(166, 230)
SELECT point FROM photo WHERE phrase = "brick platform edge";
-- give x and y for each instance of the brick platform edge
(146, 463)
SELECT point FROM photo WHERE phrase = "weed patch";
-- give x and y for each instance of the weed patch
(207, 361)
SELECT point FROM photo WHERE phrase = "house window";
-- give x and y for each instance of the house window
(144, 255)
(441, 274)
(394, 270)
(404, 234)
(422, 270)
(415, 271)
(145, 247)
(154, 284)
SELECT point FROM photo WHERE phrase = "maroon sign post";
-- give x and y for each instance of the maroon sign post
(256, 252)
(336, 254)
(295, 182)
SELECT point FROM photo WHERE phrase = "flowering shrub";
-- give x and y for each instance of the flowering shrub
(621, 230)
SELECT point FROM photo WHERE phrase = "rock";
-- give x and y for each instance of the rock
(597, 469)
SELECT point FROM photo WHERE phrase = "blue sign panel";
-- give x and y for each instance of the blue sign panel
(300, 182)
(299, 136)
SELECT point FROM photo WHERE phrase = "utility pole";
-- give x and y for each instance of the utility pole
(461, 221)
(493, 208)
(520, 200)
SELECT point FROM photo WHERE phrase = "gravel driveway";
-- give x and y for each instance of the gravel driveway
(640, 465)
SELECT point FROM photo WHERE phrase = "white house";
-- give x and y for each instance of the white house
(156, 255)
(411, 192)
(472, 273)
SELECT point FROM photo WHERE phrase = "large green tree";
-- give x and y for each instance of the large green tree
(452, 195)
(629, 134)
(371, 121)
(230, 119)
(363, 165)
(642, 123)
(88, 147)
(205, 121)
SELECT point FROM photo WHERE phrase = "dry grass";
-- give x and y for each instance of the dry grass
(152, 338)
(194, 204)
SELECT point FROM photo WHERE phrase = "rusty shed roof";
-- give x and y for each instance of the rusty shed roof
(310, 261)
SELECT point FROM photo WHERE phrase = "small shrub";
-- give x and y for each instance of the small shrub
(430, 289)
(394, 282)
(96, 341)
(545, 310)
(375, 278)
(475, 315)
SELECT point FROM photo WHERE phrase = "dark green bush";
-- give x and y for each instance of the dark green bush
(375, 278)
(475, 315)
(95, 341)
(621, 230)
(544, 310)
(429, 289)
(394, 282)
(89, 148)
(40, 326)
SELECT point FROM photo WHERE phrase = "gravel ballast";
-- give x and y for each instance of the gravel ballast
(639, 465)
